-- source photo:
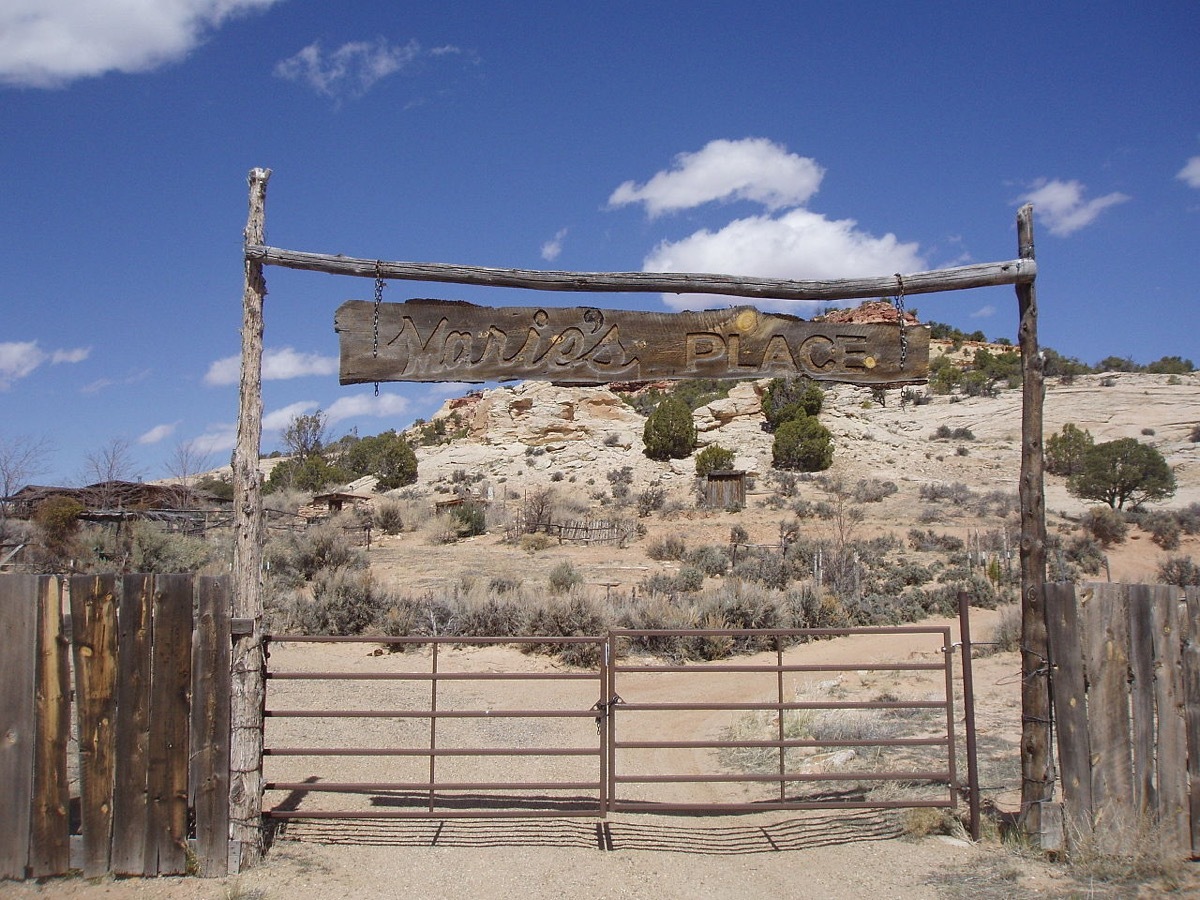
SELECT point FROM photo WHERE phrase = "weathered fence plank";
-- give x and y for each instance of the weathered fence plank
(1070, 701)
(50, 822)
(1172, 808)
(1106, 642)
(1191, 704)
(210, 726)
(18, 624)
(166, 845)
(1142, 687)
(94, 635)
(130, 802)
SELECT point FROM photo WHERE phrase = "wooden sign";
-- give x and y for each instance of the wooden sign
(449, 340)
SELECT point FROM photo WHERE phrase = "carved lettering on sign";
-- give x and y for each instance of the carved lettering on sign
(444, 340)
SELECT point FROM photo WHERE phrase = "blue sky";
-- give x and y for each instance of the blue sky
(782, 139)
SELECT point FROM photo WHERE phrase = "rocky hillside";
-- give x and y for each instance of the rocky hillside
(537, 433)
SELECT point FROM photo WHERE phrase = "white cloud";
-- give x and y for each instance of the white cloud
(352, 69)
(279, 419)
(984, 312)
(1061, 206)
(50, 43)
(749, 169)
(277, 365)
(217, 437)
(158, 433)
(222, 436)
(553, 247)
(383, 406)
(1190, 173)
(20, 358)
(798, 244)
(79, 354)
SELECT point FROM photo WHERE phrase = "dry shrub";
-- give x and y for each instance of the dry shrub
(1123, 847)
(532, 543)
(563, 577)
(671, 546)
(388, 516)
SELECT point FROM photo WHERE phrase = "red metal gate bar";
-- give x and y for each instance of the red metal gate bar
(430, 714)
(738, 745)
(449, 794)
(630, 705)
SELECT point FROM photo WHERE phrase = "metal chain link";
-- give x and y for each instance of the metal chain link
(898, 302)
(375, 320)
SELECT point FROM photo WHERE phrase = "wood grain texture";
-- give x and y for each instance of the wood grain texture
(134, 636)
(1016, 271)
(1106, 648)
(170, 714)
(1190, 667)
(1171, 731)
(209, 778)
(18, 653)
(1070, 701)
(445, 340)
(50, 825)
(94, 635)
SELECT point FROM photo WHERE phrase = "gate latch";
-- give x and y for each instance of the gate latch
(604, 707)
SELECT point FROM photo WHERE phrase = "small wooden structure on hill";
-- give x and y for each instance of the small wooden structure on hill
(725, 489)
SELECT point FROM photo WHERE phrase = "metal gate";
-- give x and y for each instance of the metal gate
(777, 726)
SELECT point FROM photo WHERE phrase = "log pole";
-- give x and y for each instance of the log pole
(247, 694)
(1037, 776)
(1016, 271)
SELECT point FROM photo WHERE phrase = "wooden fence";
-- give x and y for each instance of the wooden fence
(142, 664)
(1125, 669)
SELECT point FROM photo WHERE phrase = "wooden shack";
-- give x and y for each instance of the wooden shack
(725, 489)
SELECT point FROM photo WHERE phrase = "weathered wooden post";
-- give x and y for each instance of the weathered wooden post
(1036, 770)
(246, 704)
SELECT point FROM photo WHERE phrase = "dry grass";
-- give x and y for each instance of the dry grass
(1123, 848)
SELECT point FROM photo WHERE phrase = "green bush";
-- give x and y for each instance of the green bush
(803, 445)
(57, 518)
(790, 398)
(387, 456)
(469, 519)
(157, 550)
(669, 432)
(1123, 471)
(714, 458)
(1065, 451)
(305, 473)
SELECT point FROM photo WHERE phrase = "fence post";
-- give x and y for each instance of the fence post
(247, 693)
(1036, 773)
(964, 637)
(18, 622)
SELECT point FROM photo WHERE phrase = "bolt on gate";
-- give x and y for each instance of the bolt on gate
(452, 727)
